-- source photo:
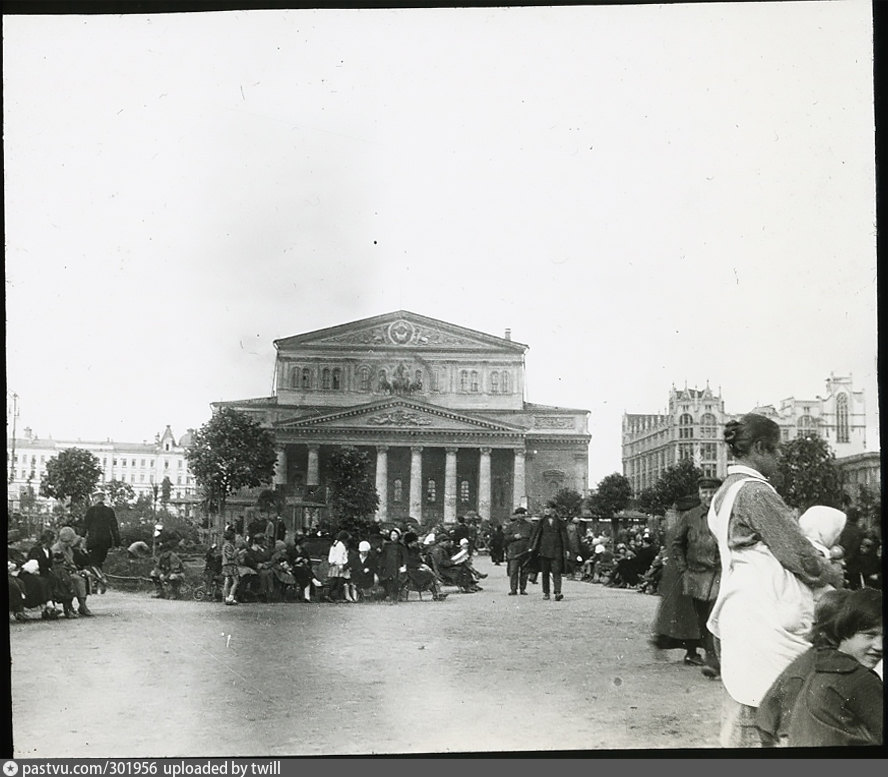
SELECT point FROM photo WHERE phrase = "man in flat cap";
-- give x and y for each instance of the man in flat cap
(695, 553)
(517, 540)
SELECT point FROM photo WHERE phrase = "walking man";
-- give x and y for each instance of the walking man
(695, 554)
(517, 539)
(101, 530)
(550, 541)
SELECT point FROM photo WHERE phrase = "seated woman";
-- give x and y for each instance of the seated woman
(246, 568)
(363, 566)
(420, 576)
(282, 571)
(301, 569)
(28, 590)
(73, 583)
(448, 571)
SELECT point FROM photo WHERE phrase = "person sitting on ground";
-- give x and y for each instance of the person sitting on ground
(830, 695)
(66, 568)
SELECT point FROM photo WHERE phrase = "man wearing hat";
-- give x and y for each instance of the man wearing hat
(101, 530)
(517, 539)
(696, 557)
(549, 540)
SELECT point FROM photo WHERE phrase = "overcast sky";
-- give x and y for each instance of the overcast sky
(645, 195)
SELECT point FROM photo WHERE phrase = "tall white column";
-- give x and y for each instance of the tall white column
(416, 482)
(280, 467)
(312, 477)
(450, 485)
(382, 481)
(519, 489)
(484, 483)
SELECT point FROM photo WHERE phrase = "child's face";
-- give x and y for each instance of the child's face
(865, 646)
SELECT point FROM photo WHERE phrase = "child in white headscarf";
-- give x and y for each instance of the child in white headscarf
(822, 526)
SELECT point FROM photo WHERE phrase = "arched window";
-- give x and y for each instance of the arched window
(431, 491)
(708, 426)
(337, 379)
(474, 380)
(843, 432)
(294, 377)
(398, 491)
(494, 382)
(364, 379)
(464, 491)
(506, 388)
(463, 380)
(685, 426)
(805, 424)
(306, 378)
(325, 378)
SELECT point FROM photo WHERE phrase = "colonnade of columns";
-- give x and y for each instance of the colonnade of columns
(416, 484)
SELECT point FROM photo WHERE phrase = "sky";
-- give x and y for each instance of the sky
(645, 195)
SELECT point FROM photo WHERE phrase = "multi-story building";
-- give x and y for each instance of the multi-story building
(438, 408)
(692, 425)
(141, 465)
(861, 469)
(689, 428)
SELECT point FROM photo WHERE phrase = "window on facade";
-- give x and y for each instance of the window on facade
(464, 491)
(474, 380)
(842, 425)
(123, 462)
(132, 478)
(463, 380)
(397, 494)
(685, 426)
(325, 378)
(708, 426)
(431, 491)
(364, 379)
(506, 383)
(294, 377)
(306, 378)
(494, 382)
(784, 434)
(337, 379)
(166, 464)
(708, 451)
(179, 480)
(382, 382)
(141, 478)
(685, 451)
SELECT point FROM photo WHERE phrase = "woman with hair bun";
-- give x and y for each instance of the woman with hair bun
(762, 615)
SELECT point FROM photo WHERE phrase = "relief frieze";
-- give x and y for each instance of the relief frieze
(553, 422)
(399, 418)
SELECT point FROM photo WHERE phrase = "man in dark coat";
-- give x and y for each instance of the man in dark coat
(550, 542)
(694, 552)
(517, 539)
(101, 530)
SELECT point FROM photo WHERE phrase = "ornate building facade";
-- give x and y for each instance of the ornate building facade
(438, 408)
(692, 426)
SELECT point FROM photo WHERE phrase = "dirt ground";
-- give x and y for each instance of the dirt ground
(481, 672)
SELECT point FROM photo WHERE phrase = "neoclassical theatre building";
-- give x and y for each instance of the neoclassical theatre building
(439, 409)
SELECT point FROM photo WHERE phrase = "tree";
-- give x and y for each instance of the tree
(119, 493)
(869, 505)
(166, 489)
(353, 497)
(676, 481)
(567, 503)
(72, 474)
(229, 452)
(808, 474)
(613, 494)
(270, 501)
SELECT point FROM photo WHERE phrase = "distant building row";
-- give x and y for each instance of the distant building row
(141, 465)
(692, 427)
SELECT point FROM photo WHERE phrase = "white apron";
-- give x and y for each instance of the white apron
(763, 612)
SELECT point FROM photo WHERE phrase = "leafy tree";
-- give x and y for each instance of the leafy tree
(613, 494)
(270, 501)
(229, 452)
(649, 501)
(119, 493)
(166, 489)
(71, 475)
(676, 481)
(28, 498)
(869, 505)
(567, 503)
(808, 474)
(353, 497)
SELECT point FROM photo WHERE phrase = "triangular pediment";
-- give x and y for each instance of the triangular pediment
(401, 329)
(397, 414)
